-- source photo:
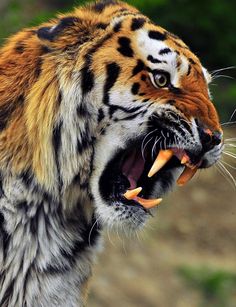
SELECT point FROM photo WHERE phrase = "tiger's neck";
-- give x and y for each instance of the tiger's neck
(46, 253)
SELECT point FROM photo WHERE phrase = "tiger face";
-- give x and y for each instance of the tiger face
(155, 102)
(135, 102)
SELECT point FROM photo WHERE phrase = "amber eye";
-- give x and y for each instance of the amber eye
(161, 79)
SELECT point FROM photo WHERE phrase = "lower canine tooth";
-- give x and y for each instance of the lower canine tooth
(163, 157)
(149, 203)
(187, 175)
(185, 159)
(131, 194)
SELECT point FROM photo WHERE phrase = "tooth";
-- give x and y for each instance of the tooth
(185, 159)
(163, 157)
(131, 194)
(187, 175)
(149, 203)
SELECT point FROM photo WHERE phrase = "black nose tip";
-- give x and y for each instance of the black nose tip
(210, 139)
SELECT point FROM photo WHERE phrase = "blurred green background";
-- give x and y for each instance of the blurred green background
(187, 255)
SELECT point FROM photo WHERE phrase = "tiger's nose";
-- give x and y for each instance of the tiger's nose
(210, 139)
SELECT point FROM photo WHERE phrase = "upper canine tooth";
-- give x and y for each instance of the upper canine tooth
(131, 194)
(187, 175)
(163, 157)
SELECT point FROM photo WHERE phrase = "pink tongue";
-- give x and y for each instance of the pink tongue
(133, 168)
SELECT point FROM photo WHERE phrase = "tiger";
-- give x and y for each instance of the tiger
(102, 112)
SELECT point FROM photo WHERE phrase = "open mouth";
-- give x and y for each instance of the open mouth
(130, 177)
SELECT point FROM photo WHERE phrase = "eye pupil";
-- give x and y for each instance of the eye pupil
(161, 80)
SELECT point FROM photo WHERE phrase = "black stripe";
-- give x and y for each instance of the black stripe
(4, 236)
(143, 77)
(27, 178)
(84, 185)
(137, 23)
(178, 64)
(89, 236)
(38, 68)
(85, 139)
(100, 115)
(87, 74)
(84, 142)
(135, 88)
(4, 243)
(100, 6)
(56, 142)
(126, 12)
(20, 47)
(102, 25)
(82, 110)
(172, 35)
(117, 27)
(151, 59)
(1, 189)
(112, 73)
(192, 61)
(125, 48)
(6, 111)
(175, 90)
(157, 35)
(8, 293)
(50, 33)
(138, 68)
(180, 45)
(45, 49)
(164, 51)
(131, 116)
(114, 108)
(57, 138)
(189, 69)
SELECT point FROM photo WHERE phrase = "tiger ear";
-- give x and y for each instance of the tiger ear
(53, 33)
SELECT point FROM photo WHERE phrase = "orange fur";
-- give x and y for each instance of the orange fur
(26, 140)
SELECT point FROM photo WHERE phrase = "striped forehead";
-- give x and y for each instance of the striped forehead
(159, 55)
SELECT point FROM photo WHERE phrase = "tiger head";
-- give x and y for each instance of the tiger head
(133, 113)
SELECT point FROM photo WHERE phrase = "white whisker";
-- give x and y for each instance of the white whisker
(222, 76)
(229, 165)
(230, 145)
(232, 116)
(91, 230)
(230, 139)
(154, 146)
(146, 146)
(221, 69)
(142, 146)
(227, 172)
(230, 154)
(228, 123)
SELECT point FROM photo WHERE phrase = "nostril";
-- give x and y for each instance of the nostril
(216, 138)
(206, 137)
(209, 139)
